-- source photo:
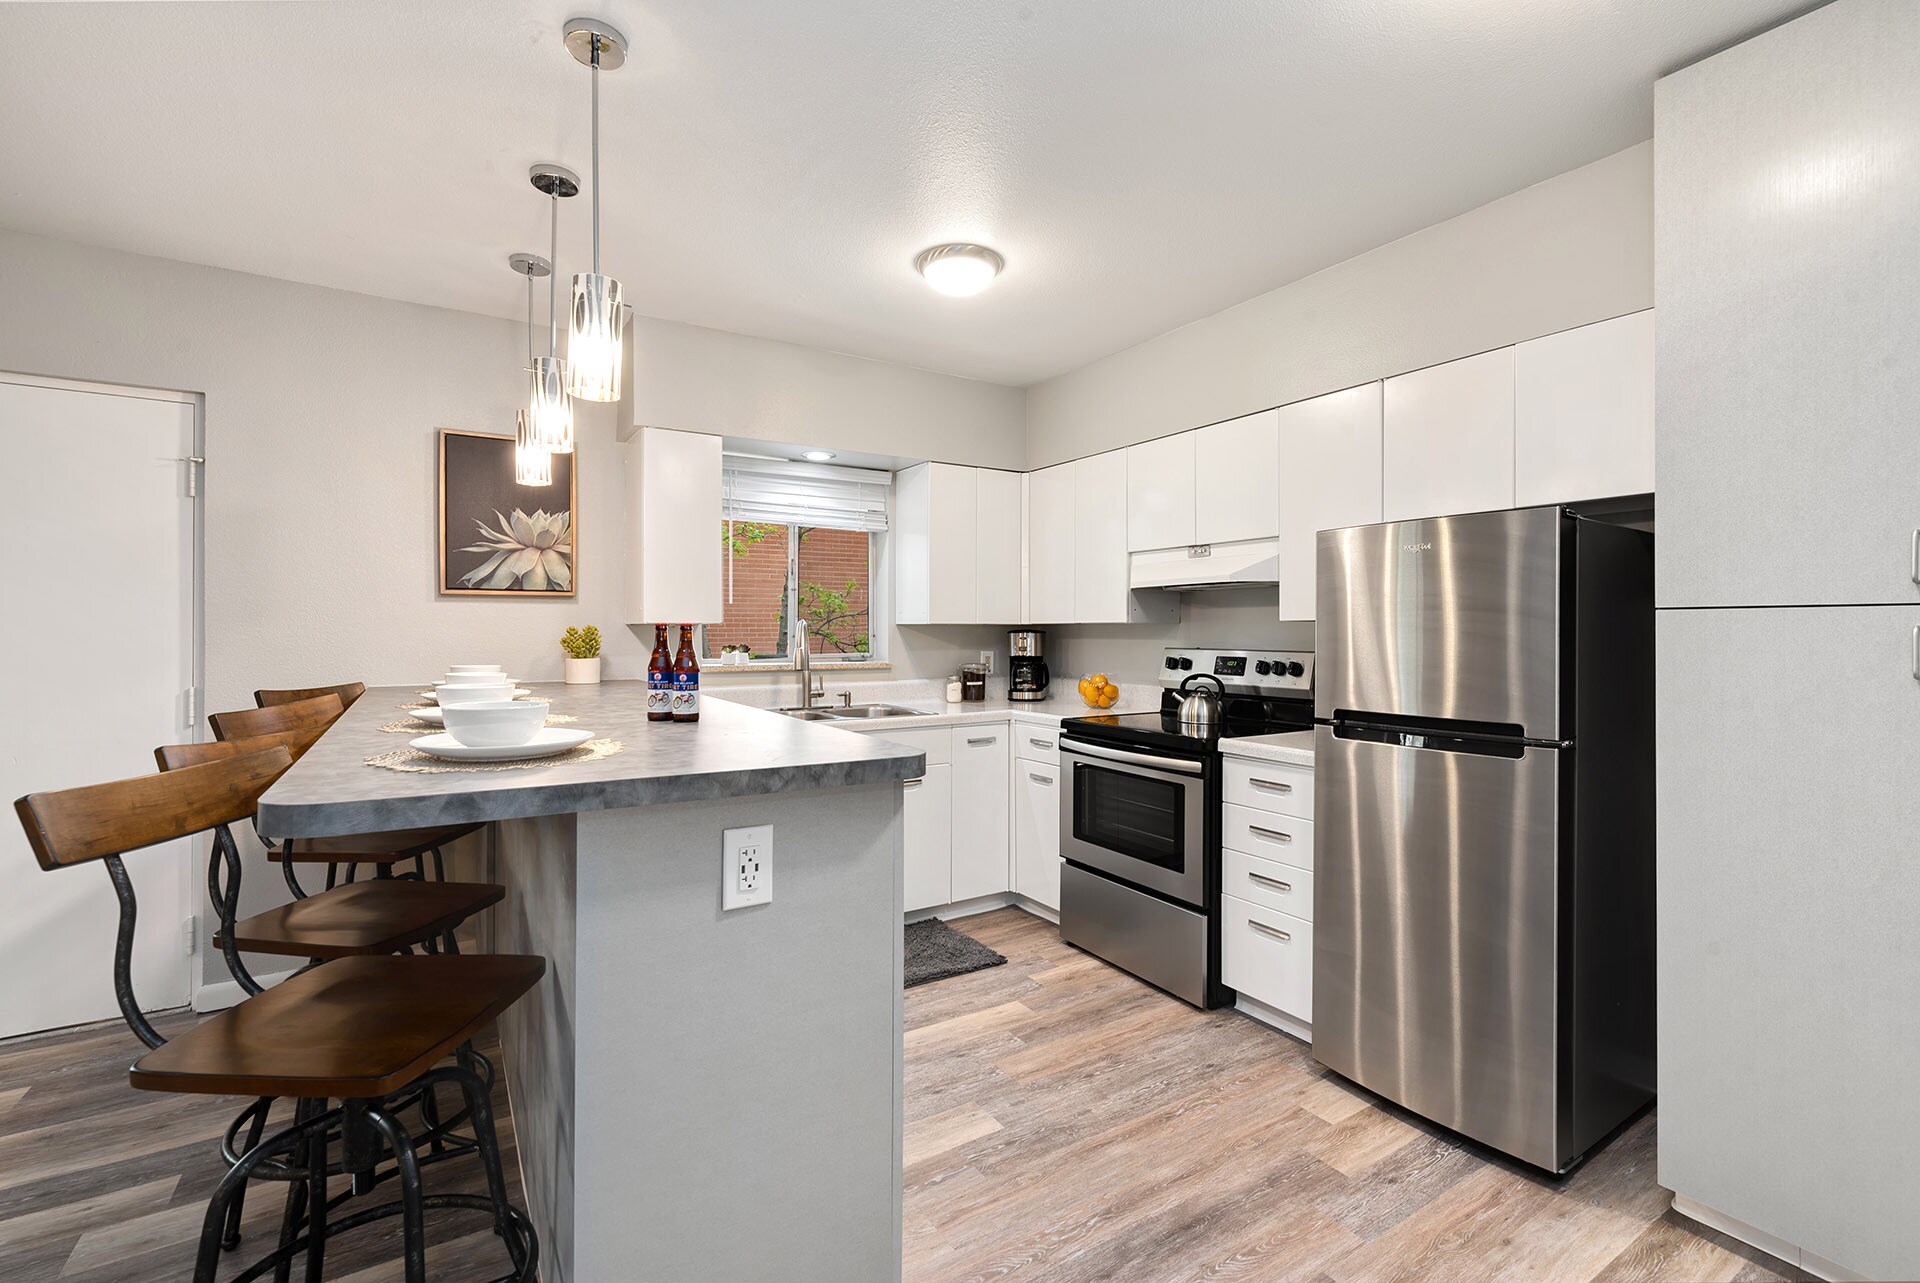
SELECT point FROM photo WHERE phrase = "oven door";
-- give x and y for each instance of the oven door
(1140, 817)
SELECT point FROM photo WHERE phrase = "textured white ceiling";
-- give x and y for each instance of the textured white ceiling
(772, 166)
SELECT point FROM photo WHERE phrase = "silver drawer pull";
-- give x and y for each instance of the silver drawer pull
(1266, 881)
(1914, 654)
(1271, 835)
(1272, 932)
(1275, 785)
(1039, 779)
(913, 784)
(1039, 743)
(983, 740)
(1916, 556)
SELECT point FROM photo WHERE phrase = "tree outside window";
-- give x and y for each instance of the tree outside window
(781, 572)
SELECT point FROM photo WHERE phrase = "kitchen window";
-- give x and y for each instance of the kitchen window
(799, 541)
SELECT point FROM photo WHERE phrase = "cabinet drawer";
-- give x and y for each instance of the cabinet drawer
(1037, 743)
(1268, 956)
(1268, 883)
(1268, 835)
(1270, 786)
(935, 741)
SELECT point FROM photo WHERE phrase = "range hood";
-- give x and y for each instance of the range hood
(1222, 565)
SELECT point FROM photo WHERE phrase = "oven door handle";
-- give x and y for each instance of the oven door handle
(1179, 764)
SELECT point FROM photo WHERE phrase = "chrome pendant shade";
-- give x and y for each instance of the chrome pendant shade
(532, 460)
(549, 404)
(595, 332)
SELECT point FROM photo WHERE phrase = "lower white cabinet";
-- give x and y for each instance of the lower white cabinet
(1266, 901)
(1036, 830)
(980, 810)
(1267, 955)
(929, 839)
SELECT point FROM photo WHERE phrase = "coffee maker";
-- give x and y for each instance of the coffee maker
(1026, 671)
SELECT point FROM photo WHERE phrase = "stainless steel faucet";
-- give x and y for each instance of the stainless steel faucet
(803, 655)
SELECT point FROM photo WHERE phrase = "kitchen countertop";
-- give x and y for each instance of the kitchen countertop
(1292, 747)
(732, 751)
(1044, 712)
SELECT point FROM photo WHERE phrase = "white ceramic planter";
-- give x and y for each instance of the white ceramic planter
(583, 672)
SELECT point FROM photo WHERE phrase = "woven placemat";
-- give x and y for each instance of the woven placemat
(412, 759)
(414, 726)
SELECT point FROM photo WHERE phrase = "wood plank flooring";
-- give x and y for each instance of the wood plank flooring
(1065, 1123)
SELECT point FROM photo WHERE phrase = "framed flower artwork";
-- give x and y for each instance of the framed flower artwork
(499, 538)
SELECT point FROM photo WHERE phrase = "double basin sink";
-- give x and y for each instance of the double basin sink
(848, 712)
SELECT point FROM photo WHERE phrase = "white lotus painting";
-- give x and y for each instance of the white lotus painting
(498, 537)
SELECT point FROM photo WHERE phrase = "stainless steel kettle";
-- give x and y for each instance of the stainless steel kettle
(1200, 709)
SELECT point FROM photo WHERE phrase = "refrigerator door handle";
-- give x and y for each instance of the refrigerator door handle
(1914, 654)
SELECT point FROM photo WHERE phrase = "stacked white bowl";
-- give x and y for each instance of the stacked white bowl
(495, 723)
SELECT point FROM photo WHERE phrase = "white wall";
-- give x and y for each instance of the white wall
(1575, 249)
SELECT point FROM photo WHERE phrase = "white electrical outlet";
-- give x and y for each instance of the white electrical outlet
(746, 867)
(986, 660)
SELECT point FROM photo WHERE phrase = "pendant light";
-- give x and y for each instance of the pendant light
(594, 334)
(549, 406)
(532, 461)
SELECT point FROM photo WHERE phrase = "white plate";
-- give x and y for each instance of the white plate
(433, 715)
(518, 693)
(548, 741)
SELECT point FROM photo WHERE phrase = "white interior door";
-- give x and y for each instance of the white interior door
(99, 642)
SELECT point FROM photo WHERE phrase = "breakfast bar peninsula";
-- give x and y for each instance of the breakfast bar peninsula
(697, 1092)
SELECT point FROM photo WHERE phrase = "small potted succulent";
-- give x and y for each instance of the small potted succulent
(583, 655)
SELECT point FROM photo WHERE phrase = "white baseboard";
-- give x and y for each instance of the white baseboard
(221, 994)
(1275, 1017)
(1818, 1266)
(984, 904)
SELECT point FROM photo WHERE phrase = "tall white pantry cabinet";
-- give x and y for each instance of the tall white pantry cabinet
(1787, 186)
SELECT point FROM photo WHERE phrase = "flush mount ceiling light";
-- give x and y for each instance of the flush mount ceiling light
(549, 407)
(593, 337)
(959, 270)
(816, 456)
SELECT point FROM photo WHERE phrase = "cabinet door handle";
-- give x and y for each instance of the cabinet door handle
(1275, 785)
(1039, 743)
(1039, 779)
(1914, 654)
(1916, 556)
(983, 741)
(1271, 835)
(1274, 933)
(912, 784)
(1266, 881)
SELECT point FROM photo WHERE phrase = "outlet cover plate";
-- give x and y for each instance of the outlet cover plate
(746, 867)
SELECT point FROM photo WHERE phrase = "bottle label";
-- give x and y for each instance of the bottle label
(686, 694)
(659, 693)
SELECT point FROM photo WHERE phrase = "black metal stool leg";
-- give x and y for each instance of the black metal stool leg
(212, 1227)
(412, 1224)
(255, 1129)
(316, 1207)
(294, 1218)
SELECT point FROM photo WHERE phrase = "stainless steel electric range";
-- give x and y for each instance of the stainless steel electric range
(1140, 817)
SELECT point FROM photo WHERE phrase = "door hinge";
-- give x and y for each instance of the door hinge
(192, 934)
(192, 696)
(193, 462)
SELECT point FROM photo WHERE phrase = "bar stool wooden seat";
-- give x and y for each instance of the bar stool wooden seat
(347, 691)
(362, 1031)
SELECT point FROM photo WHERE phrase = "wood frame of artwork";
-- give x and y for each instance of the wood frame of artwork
(498, 491)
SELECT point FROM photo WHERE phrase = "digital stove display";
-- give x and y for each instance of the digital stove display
(1230, 666)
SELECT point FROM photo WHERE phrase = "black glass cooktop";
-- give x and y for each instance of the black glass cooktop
(1245, 715)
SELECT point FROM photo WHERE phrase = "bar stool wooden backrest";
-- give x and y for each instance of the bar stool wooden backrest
(106, 821)
(347, 691)
(321, 711)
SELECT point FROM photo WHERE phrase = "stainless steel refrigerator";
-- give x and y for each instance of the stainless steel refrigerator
(1483, 895)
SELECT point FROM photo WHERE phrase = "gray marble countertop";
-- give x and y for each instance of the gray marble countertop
(1292, 747)
(998, 708)
(732, 751)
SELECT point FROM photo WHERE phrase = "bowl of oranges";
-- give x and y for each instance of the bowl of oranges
(1098, 692)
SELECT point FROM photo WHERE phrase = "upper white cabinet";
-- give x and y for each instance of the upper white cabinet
(1050, 545)
(1159, 497)
(1100, 570)
(956, 545)
(1237, 479)
(1448, 438)
(1331, 466)
(1583, 413)
(673, 492)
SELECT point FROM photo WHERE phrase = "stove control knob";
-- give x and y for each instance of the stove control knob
(1262, 667)
(1184, 663)
(1172, 662)
(1296, 669)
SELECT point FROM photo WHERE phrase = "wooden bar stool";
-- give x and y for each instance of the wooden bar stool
(382, 850)
(364, 1031)
(347, 691)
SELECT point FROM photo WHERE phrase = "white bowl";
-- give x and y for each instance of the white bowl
(499, 723)
(473, 693)
(454, 670)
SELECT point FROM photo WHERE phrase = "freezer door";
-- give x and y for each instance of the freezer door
(1454, 618)
(1436, 947)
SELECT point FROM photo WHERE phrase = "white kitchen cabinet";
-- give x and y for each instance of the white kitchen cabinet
(1159, 498)
(1267, 955)
(928, 838)
(1329, 459)
(1036, 831)
(1100, 570)
(1583, 413)
(673, 489)
(997, 526)
(981, 811)
(1050, 545)
(1447, 438)
(957, 545)
(1236, 478)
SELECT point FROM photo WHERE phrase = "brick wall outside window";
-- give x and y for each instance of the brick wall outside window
(832, 560)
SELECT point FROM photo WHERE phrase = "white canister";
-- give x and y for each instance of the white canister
(953, 689)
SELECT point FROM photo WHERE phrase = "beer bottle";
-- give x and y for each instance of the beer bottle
(686, 679)
(660, 678)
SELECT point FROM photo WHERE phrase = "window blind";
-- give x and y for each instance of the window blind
(804, 494)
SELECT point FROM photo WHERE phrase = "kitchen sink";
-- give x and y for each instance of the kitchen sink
(849, 712)
(807, 714)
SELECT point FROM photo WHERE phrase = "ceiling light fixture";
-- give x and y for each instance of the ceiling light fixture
(593, 338)
(549, 407)
(816, 456)
(532, 461)
(959, 270)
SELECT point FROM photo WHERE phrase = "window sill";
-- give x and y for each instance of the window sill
(788, 666)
